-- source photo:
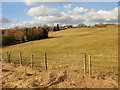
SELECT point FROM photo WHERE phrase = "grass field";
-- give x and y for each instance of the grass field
(77, 41)
(65, 52)
(67, 46)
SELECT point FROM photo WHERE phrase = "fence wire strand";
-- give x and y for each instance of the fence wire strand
(100, 63)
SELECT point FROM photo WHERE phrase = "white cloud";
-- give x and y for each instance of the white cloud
(41, 11)
(63, 19)
(30, 2)
(78, 10)
(100, 16)
(68, 6)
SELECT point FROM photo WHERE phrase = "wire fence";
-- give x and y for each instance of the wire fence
(91, 64)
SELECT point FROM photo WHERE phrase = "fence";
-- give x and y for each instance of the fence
(89, 64)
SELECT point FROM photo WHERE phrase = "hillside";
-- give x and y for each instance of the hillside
(67, 45)
(65, 51)
(77, 41)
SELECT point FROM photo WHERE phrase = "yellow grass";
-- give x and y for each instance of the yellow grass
(65, 51)
(77, 41)
(65, 48)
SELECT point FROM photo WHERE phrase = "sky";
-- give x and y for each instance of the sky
(29, 14)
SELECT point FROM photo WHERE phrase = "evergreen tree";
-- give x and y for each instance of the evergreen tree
(58, 27)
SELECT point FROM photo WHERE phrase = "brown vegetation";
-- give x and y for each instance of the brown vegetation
(24, 77)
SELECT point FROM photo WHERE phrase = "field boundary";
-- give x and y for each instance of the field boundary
(87, 61)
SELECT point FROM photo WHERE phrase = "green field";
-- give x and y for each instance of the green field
(67, 47)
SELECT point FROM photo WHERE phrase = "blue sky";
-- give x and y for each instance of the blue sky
(16, 12)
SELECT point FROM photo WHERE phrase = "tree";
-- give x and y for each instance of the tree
(29, 35)
(8, 39)
(54, 28)
(58, 27)
(19, 35)
(46, 27)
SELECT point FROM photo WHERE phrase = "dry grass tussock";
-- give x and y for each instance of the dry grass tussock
(24, 77)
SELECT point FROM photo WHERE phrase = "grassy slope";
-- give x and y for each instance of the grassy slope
(77, 41)
(73, 42)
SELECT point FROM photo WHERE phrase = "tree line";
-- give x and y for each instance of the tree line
(16, 36)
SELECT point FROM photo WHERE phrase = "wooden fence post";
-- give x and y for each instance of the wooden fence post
(84, 58)
(90, 65)
(8, 56)
(20, 55)
(1, 57)
(32, 61)
(45, 61)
